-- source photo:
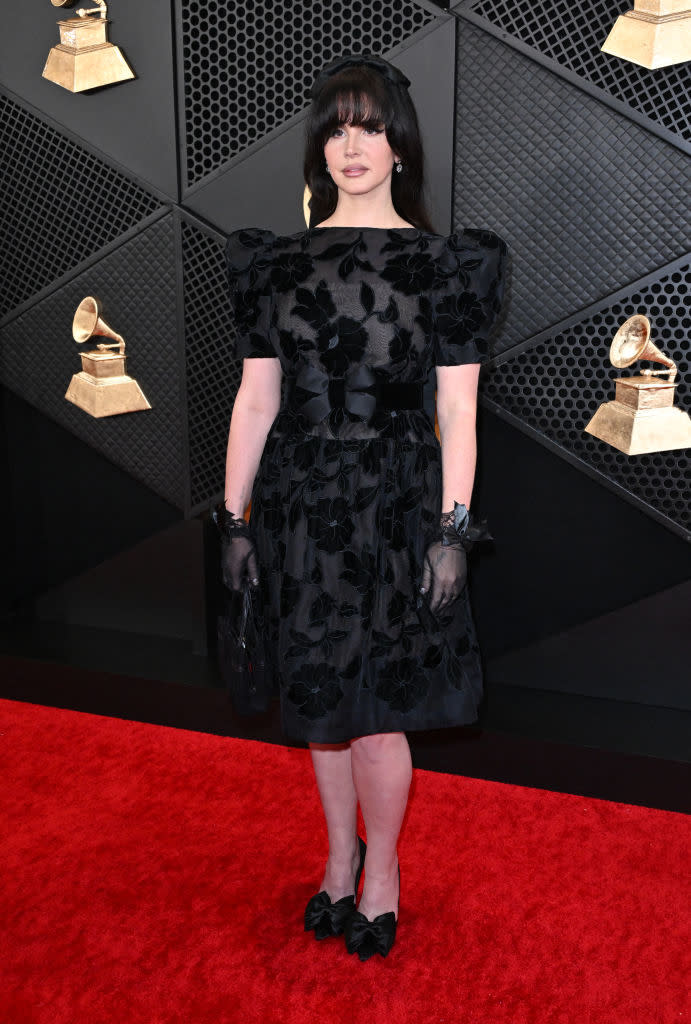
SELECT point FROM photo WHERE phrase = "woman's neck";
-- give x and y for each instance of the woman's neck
(357, 212)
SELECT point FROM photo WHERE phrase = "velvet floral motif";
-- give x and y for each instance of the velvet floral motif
(402, 684)
(330, 525)
(412, 274)
(460, 315)
(315, 690)
(348, 492)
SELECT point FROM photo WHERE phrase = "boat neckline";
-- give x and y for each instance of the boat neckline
(360, 227)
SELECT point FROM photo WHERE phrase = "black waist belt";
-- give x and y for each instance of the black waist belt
(314, 394)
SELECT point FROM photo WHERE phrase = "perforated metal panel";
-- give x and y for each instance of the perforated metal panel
(572, 33)
(213, 374)
(557, 386)
(59, 204)
(587, 200)
(38, 356)
(248, 66)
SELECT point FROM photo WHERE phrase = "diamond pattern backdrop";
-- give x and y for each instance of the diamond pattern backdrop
(213, 375)
(59, 204)
(572, 34)
(136, 284)
(587, 200)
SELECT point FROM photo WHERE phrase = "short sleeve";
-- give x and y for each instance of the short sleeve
(248, 254)
(468, 301)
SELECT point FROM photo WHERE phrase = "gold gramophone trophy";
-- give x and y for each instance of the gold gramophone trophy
(642, 418)
(655, 34)
(102, 388)
(85, 59)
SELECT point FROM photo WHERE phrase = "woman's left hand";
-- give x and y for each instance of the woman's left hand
(444, 574)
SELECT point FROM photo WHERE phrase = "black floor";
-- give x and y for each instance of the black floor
(563, 742)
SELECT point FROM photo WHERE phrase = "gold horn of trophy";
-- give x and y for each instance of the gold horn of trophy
(655, 34)
(642, 418)
(102, 388)
(84, 59)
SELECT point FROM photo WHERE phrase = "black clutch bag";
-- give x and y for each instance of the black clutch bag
(243, 651)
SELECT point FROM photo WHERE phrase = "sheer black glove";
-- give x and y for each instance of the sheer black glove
(445, 564)
(444, 574)
(238, 552)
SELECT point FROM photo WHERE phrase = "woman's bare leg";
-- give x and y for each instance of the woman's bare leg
(382, 772)
(333, 771)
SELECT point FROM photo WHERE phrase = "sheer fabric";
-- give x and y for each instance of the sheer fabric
(348, 493)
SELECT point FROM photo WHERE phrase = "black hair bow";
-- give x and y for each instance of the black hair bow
(370, 60)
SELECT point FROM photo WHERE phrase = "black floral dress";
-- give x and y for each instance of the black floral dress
(348, 492)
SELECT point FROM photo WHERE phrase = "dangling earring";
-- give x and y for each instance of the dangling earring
(399, 166)
(327, 169)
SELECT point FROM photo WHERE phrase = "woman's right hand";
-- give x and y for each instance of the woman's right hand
(239, 561)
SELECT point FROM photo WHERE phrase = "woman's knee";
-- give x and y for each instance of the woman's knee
(379, 746)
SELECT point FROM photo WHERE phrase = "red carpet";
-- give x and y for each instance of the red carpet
(153, 875)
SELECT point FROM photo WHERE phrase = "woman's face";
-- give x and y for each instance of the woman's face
(360, 159)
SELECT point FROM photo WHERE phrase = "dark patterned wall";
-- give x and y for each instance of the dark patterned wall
(595, 208)
(587, 200)
(59, 204)
(78, 222)
(246, 68)
(213, 375)
(569, 37)
(555, 385)
(582, 161)
(136, 284)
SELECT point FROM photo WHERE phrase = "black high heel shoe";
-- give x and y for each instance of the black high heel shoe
(327, 918)
(366, 937)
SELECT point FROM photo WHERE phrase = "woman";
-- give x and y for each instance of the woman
(359, 524)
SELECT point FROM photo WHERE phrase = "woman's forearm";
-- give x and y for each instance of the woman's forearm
(458, 457)
(249, 427)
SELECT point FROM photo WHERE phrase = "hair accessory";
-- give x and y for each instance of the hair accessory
(370, 60)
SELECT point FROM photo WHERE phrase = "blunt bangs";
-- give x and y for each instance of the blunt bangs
(356, 97)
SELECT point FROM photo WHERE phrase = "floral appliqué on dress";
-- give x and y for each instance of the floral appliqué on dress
(348, 492)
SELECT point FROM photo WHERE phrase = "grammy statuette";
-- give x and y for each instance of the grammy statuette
(103, 388)
(642, 418)
(84, 59)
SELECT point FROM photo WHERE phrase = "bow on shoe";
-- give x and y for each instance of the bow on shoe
(317, 394)
(366, 937)
(327, 918)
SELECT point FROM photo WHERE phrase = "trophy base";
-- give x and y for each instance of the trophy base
(640, 431)
(79, 70)
(110, 396)
(653, 41)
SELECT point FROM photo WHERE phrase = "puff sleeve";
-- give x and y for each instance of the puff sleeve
(469, 299)
(248, 255)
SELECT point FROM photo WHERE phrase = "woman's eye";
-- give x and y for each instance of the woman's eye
(337, 132)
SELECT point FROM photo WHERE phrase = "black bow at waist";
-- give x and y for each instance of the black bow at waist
(361, 392)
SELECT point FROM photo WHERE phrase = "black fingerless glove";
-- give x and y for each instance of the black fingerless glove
(445, 565)
(239, 560)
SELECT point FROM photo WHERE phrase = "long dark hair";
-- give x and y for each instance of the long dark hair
(360, 95)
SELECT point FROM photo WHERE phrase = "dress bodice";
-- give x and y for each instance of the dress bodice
(345, 304)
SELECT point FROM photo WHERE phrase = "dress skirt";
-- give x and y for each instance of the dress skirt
(341, 529)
